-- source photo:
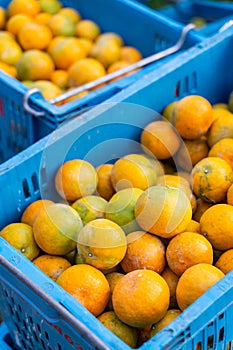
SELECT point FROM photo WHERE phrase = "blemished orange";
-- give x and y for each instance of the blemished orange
(193, 226)
(195, 281)
(84, 71)
(33, 35)
(216, 224)
(75, 178)
(211, 178)
(164, 211)
(201, 207)
(140, 298)
(225, 261)
(187, 249)
(104, 185)
(60, 78)
(192, 116)
(144, 251)
(35, 65)
(67, 51)
(83, 280)
(130, 54)
(133, 170)
(20, 236)
(10, 51)
(159, 138)
(126, 333)
(220, 129)
(87, 29)
(48, 89)
(8, 69)
(105, 53)
(170, 315)
(230, 195)
(29, 7)
(112, 278)
(56, 229)
(31, 211)
(102, 244)
(52, 265)
(223, 149)
(172, 279)
(61, 25)
(16, 22)
(90, 208)
(71, 13)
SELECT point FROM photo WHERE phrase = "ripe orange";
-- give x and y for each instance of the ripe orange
(30, 213)
(126, 333)
(75, 179)
(84, 280)
(120, 208)
(71, 13)
(61, 25)
(164, 211)
(176, 181)
(201, 207)
(104, 185)
(192, 116)
(8, 69)
(52, 265)
(60, 78)
(168, 110)
(197, 149)
(144, 251)
(102, 244)
(160, 139)
(33, 35)
(225, 261)
(216, 224)
(29, 7)
(42, 18)
(48, 89)
(109, 37)
(133, 170)
(112, 278)
(195, 281)
(187, 249)
(56, 229)
(223, 149)
(211, 178)
(10, 51)
(130, 54)
(172, 279)
(90, 208)
(20, 236)
(193, 226)
(2, 18)
(16, 22)
(220, 129)
(105, 53)
(34, 65)
(87, 29)
(140, 298)
(169, 316)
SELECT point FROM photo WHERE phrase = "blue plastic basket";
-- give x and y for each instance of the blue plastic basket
(215, 13)
(5, 340)
(139, 27)
(38, 313)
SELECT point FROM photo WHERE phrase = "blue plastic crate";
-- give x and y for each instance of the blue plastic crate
(38, 313)
(215, 14)
(139, 27)
(5, 340)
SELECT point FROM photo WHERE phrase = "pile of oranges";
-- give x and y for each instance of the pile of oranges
(54, 49)
(142, 238)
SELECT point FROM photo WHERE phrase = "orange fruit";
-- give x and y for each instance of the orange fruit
(6, 35)
(88, 44)
(221, 112)
(109, 37)
(84, 280)
(87, 29)
(102, 244)
(115, 66)
(42, 18)
(140, 298)
(164, 211)
(112, 278)
(60, 78)
(230, 195)
(33, 35)
(31, 211)
(104, 185)
(8, 69)
(61, 25)
(84, 71)
(172, 279)
(193, 226)
(144, 251)
(2, 18)
(187, 249)
(50, 6)
(56, 228)
(201, 207)
(90, 208)
(34, 65)
(75, 178)
(120, 209)
(29, 7)
(176, 181)
(223, 149)
(126, 333)
(133, 170)
(67, 51)
(48, 89)
(160, 139)
(71, 13)
(130, 54)
(217, 226)
(169, 317)
(220, 106)
(220, 129)
(211, 178)
(225, 261)
(52, 265)
(168, 111)
(10, 51)
(197, 150)
(54, 43)
(105, 53)
(16, 22)
(195, 281)
(20, 236)
(192, 116)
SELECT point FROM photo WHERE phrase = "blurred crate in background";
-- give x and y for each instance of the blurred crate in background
(5, 340)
